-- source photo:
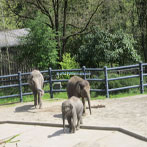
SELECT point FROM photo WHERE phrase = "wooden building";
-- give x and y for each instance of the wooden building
(9, 46)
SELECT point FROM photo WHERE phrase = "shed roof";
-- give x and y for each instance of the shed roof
(12, 37)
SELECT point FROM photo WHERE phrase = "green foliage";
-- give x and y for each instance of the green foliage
(103, 47)
(7, 22)
(112, 15)
(40, 44)
(68, 62)
(115, 83)
(123, 51)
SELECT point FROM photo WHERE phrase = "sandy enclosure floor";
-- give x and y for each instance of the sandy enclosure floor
(29, 136)
(129, 113)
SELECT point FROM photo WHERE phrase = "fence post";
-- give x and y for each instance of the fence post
(50, 82)
(141, 78)
(106, 82)
(84, 71)
(20, 86)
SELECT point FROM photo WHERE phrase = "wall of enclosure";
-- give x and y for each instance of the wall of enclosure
(97, 75)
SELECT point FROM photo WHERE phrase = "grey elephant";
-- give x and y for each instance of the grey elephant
(79, 87)
(36, 81)
(72, 110)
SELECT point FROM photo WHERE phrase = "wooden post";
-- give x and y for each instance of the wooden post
(8, 59)
(1, 65)
(141, 78)
(84, 71)
(50, 82)
(106, 82)
(20, 86)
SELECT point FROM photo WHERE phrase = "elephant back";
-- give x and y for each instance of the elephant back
(72, 86)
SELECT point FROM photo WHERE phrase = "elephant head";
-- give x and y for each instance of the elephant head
(83, 89)
(66, 111)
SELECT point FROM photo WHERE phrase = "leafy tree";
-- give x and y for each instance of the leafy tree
(101, 47)
(141, 7)
(64, 16)
(72, 20)
(69, 62)
(123, 49)
(39, 46)
(8, 20)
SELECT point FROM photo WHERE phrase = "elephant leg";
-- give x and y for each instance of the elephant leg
(39, 100)
(81, 120)
(73, 125)
(69, 123)
(84, 106)
(78, 124)
(35, 99)
(63, 118)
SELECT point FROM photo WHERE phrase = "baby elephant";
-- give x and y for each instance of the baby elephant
(72, 109)
(36, 81)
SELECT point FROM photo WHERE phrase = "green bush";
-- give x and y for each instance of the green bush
(39, 47)
(68, 62)
(101, 47)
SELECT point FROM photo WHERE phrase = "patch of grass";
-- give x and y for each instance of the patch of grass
(30, 98)
(123, 95)
(131, 92)
(9, 100)
(63, 95)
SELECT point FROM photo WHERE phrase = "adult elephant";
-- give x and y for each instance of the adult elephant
(79, 87)
(36, 81)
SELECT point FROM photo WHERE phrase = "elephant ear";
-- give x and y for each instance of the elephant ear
(79, 87)
(71, 106)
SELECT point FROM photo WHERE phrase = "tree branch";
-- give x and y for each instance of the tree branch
(56, 13)
(46, 11)
(73, 26)
(81, 31)
(16, 14)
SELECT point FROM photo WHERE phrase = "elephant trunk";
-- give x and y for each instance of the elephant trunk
(89, 104)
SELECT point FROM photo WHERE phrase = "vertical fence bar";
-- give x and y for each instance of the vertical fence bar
(50, 82)
(141, 78)
(20, 86)
(84, 71)
(106, 82)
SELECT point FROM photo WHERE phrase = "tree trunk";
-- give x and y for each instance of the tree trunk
(56, 13)
(64, 28)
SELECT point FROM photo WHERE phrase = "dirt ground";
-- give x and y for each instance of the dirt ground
(129, 113)
(38, 136)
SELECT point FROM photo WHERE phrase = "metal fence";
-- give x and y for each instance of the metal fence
(84, 72)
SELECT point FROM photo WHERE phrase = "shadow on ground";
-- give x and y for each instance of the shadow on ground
(25, 108)
(58, 115)
(58, 133)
